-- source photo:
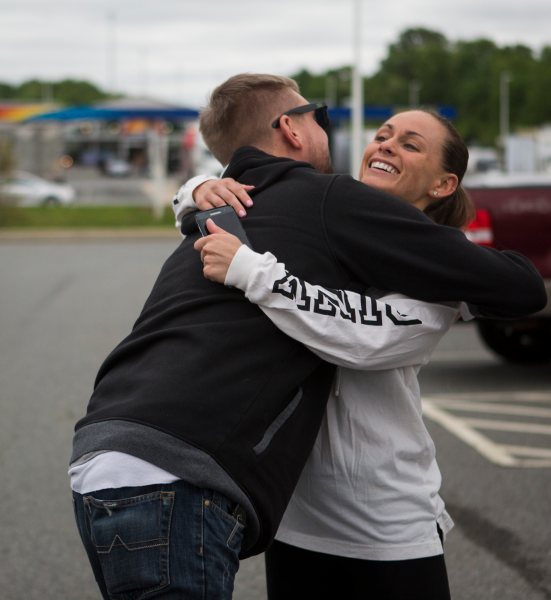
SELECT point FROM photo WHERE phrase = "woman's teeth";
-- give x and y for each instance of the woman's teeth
(384, 167)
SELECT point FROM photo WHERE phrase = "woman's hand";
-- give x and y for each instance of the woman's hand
(218, 192)
(217, 251)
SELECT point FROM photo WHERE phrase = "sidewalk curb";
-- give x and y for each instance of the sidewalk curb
(105, 233)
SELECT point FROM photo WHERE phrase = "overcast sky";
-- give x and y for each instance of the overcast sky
(178, 50)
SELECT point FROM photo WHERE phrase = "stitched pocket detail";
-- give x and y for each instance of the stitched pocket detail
(278, 423)
(131, 537)
(237, 526)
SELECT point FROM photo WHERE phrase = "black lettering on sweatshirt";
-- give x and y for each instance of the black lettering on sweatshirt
(330, 302)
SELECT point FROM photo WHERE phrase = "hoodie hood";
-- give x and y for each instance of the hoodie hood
(251, 166)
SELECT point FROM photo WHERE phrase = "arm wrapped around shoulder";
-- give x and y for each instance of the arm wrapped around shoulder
(386, 243)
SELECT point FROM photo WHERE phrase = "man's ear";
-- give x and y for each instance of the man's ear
(290, 132)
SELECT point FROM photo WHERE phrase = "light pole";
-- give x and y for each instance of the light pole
(111, 52)
(414, 89)
(144, 80)
(47, 91)
(331, 90)
(357, 92)
(504, 80)
(157, 149)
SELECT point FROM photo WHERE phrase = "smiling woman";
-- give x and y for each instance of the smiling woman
(365, 517)
(419, 157)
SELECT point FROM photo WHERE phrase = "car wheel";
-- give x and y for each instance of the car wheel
(521, 342)
(51, 201)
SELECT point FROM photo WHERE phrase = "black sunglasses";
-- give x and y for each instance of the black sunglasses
(320, 113)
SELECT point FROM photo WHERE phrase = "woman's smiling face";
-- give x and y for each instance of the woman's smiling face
(404, 159)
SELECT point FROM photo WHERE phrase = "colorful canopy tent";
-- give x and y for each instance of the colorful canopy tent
(89, 113)
(336, 114)
(16, 112)
(381, 113)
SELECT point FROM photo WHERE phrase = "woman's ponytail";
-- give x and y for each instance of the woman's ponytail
(456, 210)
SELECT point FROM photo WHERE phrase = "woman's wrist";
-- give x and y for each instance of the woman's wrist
(183, 202)
(243, 265)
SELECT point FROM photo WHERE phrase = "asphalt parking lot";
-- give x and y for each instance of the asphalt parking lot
(64, 305)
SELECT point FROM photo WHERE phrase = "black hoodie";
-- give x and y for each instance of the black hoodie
(209, 389)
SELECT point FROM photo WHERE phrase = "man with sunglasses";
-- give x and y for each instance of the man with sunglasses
(317, 155)
(321, 114)
(202, 419)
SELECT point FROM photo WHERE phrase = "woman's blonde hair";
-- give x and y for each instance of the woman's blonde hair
(456, 210)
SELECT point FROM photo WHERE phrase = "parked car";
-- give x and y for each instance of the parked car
(26, 189)
(514, 213)
(116, 167)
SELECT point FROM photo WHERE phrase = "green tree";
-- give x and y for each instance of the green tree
(422, 55)
(319, 86)
(67, 91)
(6, 91)
(29, 90)
(538, 102)
(465, 74)
(70, 91)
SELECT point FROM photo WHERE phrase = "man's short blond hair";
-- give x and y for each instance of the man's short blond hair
(241, 110)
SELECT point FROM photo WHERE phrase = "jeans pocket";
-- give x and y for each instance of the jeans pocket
(131, 537)
(227, 525)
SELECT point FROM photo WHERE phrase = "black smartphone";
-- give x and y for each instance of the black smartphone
(226, 218)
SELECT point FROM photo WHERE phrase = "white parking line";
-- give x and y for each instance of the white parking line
(473, 438)
(455, 356)
(528, 451)
(498, 396)
(509, 426)
(503, 409)
(438, 409)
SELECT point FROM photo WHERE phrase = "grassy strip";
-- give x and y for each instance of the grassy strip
(86, 216)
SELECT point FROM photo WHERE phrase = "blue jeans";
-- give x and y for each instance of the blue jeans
(169, 541)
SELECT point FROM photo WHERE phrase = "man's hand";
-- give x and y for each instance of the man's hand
(217, 251)
(218, 192)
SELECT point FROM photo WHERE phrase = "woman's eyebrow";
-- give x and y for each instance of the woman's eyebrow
(391, 127)
(414, 133)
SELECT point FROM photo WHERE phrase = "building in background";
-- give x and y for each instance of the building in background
(46, 138)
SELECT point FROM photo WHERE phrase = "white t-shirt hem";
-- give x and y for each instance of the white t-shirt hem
(113, 470)
(362, 551)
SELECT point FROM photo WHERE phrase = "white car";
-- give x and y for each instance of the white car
(116, 167)
(26, 189)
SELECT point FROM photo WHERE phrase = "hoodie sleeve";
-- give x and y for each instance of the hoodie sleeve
(344, 328)
(384, 242)
(183, 202)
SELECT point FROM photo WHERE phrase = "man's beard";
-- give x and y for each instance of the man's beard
(320, 159)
